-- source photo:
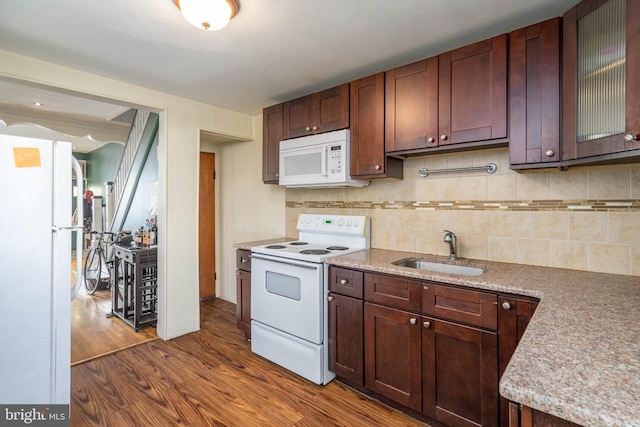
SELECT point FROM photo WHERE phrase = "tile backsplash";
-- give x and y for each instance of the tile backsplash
(584, 219)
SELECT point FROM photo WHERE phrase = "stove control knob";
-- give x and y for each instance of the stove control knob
(356, 223)
(340, 222)
(348, 223)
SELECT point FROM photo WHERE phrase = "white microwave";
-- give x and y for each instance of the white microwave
(320, 161)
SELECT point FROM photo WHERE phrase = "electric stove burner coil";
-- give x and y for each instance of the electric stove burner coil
(275, 247)
(337, 248)
(298, 243)
(315, 252)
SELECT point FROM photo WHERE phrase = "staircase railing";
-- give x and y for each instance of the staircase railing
(124, 169)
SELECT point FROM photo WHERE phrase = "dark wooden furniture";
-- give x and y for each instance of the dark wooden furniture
(134, 284)
(433, 350)
(458, 100)
(459, 97)
(610, 136)
(514, 314)
(523, 416)
(534, 96)
(346, 337)
(393, 355)
(459, 360)
(366, 118)
(243, 291)
(316, 113)
(473, 92)
(271, 137)
(411, 106)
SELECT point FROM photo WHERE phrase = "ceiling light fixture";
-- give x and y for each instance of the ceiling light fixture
(208, 14)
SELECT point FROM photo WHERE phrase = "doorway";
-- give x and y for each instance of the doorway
(206, 226)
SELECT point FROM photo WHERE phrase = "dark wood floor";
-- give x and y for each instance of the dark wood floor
(211, 378)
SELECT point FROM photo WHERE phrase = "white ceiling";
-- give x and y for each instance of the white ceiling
(272, 51)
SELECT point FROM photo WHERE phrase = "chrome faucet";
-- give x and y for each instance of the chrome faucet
(450, 238)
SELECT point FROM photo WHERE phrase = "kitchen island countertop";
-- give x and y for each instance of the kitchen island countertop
(579, 358)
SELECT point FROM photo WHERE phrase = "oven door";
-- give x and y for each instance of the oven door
(287, 295)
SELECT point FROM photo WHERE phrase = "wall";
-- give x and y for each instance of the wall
(102, 165)
(180, 123)
(246, 209)
(584, 219)
(143, 201)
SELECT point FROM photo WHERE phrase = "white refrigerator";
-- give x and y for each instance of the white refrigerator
(35, 269)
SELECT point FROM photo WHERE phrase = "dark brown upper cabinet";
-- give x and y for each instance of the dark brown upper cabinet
(473, 92)
(458, 97)
(411, 106)
(271, 137)
(534, 96)
(601, 82)
(366, 117)
(317, 113)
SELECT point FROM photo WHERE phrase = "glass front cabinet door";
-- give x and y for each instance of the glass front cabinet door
(601, 79)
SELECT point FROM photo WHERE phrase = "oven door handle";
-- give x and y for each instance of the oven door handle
(283, 261)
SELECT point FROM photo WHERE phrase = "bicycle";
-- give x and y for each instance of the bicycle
(99, 259)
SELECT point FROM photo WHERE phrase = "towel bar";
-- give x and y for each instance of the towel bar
(490, 168)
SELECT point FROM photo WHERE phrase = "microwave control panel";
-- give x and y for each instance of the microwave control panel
(335, 159)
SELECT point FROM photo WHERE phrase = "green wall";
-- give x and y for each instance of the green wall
(102, 165)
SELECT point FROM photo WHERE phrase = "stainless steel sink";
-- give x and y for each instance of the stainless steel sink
(437, 267)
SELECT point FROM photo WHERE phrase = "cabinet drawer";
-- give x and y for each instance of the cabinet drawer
(124, 255)
(392, 291)
(243, 259)
(346, 282)
(462, 305)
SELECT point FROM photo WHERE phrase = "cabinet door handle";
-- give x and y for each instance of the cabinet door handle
(237, 272)
(549, 153)
(330, 298)
(413, 321)
(443, 137)
(377, 167)
(506, 305)
(426, 324)
(344, 281)
(307, 128)
(630, 137)
(314, 128)
(430, 139)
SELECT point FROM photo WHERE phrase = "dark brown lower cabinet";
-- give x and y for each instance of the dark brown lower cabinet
(243, 291)
(432, 350)
(346, 345)
(243, 305)
(393, 355)
(459, 374)
(526, 417)
(514, 314)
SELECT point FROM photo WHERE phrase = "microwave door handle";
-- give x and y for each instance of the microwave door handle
(325, 158)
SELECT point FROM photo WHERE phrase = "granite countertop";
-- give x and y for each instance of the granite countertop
(579, 358)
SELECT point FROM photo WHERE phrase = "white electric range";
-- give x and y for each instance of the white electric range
(289, 292)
